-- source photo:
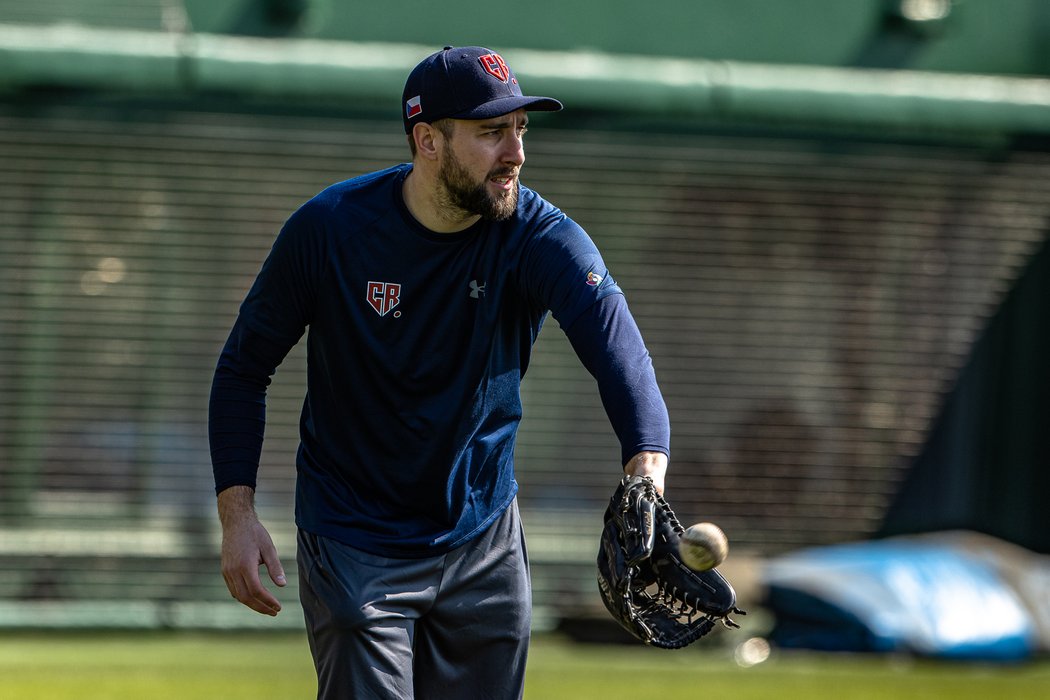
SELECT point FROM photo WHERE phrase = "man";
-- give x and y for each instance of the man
(423, 287)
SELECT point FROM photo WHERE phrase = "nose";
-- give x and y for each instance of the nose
(514, 150)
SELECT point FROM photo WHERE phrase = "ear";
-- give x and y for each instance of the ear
(429, 140)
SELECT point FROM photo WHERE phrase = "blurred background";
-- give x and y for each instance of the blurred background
(830, 219)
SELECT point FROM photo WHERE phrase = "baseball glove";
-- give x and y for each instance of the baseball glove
(642, 580)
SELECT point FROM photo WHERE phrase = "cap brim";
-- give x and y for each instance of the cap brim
(506, 105)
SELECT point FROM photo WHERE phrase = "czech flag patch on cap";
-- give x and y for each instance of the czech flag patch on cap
(413, 108)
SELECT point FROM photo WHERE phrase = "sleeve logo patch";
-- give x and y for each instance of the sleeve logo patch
(594, 279)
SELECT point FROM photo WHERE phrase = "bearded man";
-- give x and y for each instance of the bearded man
(424, 287)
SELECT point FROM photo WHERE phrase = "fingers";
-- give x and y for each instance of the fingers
(245, 585)
(273, 566)
(248, 590)
(241, 557)
(651, 464)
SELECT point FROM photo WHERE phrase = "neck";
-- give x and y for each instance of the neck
(428, 204)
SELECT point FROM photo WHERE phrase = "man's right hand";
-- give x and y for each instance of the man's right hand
(245, 546)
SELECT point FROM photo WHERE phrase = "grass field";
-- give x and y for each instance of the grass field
(277, 667)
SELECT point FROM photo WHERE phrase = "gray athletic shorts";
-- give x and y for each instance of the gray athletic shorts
(449, 626)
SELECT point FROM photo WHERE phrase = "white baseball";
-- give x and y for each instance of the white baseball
(703, 546)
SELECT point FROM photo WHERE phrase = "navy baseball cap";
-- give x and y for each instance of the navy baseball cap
(469, 82)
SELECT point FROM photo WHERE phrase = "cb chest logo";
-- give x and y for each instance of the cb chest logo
(383, 297)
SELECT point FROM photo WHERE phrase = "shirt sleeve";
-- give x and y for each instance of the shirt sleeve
(609, 344)
(280, 303)
(272, 319)
(564, 272)
(237, 405)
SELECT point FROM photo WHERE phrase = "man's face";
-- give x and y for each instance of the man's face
(480, 165)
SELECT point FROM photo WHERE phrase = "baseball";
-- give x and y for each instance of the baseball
(703, 546)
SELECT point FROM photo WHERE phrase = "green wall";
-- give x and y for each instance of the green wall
(983, 36)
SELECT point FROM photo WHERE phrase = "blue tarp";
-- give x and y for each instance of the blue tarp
(902, 596)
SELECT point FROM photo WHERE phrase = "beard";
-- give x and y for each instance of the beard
(465, 194)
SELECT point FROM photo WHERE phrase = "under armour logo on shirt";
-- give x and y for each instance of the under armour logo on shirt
(476, 290)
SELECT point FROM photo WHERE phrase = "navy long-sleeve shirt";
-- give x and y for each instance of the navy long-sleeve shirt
(417, 346)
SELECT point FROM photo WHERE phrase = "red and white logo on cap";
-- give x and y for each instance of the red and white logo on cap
(495, 66)
(413, 108)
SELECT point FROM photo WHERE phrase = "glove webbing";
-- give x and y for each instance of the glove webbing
(646, 605)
